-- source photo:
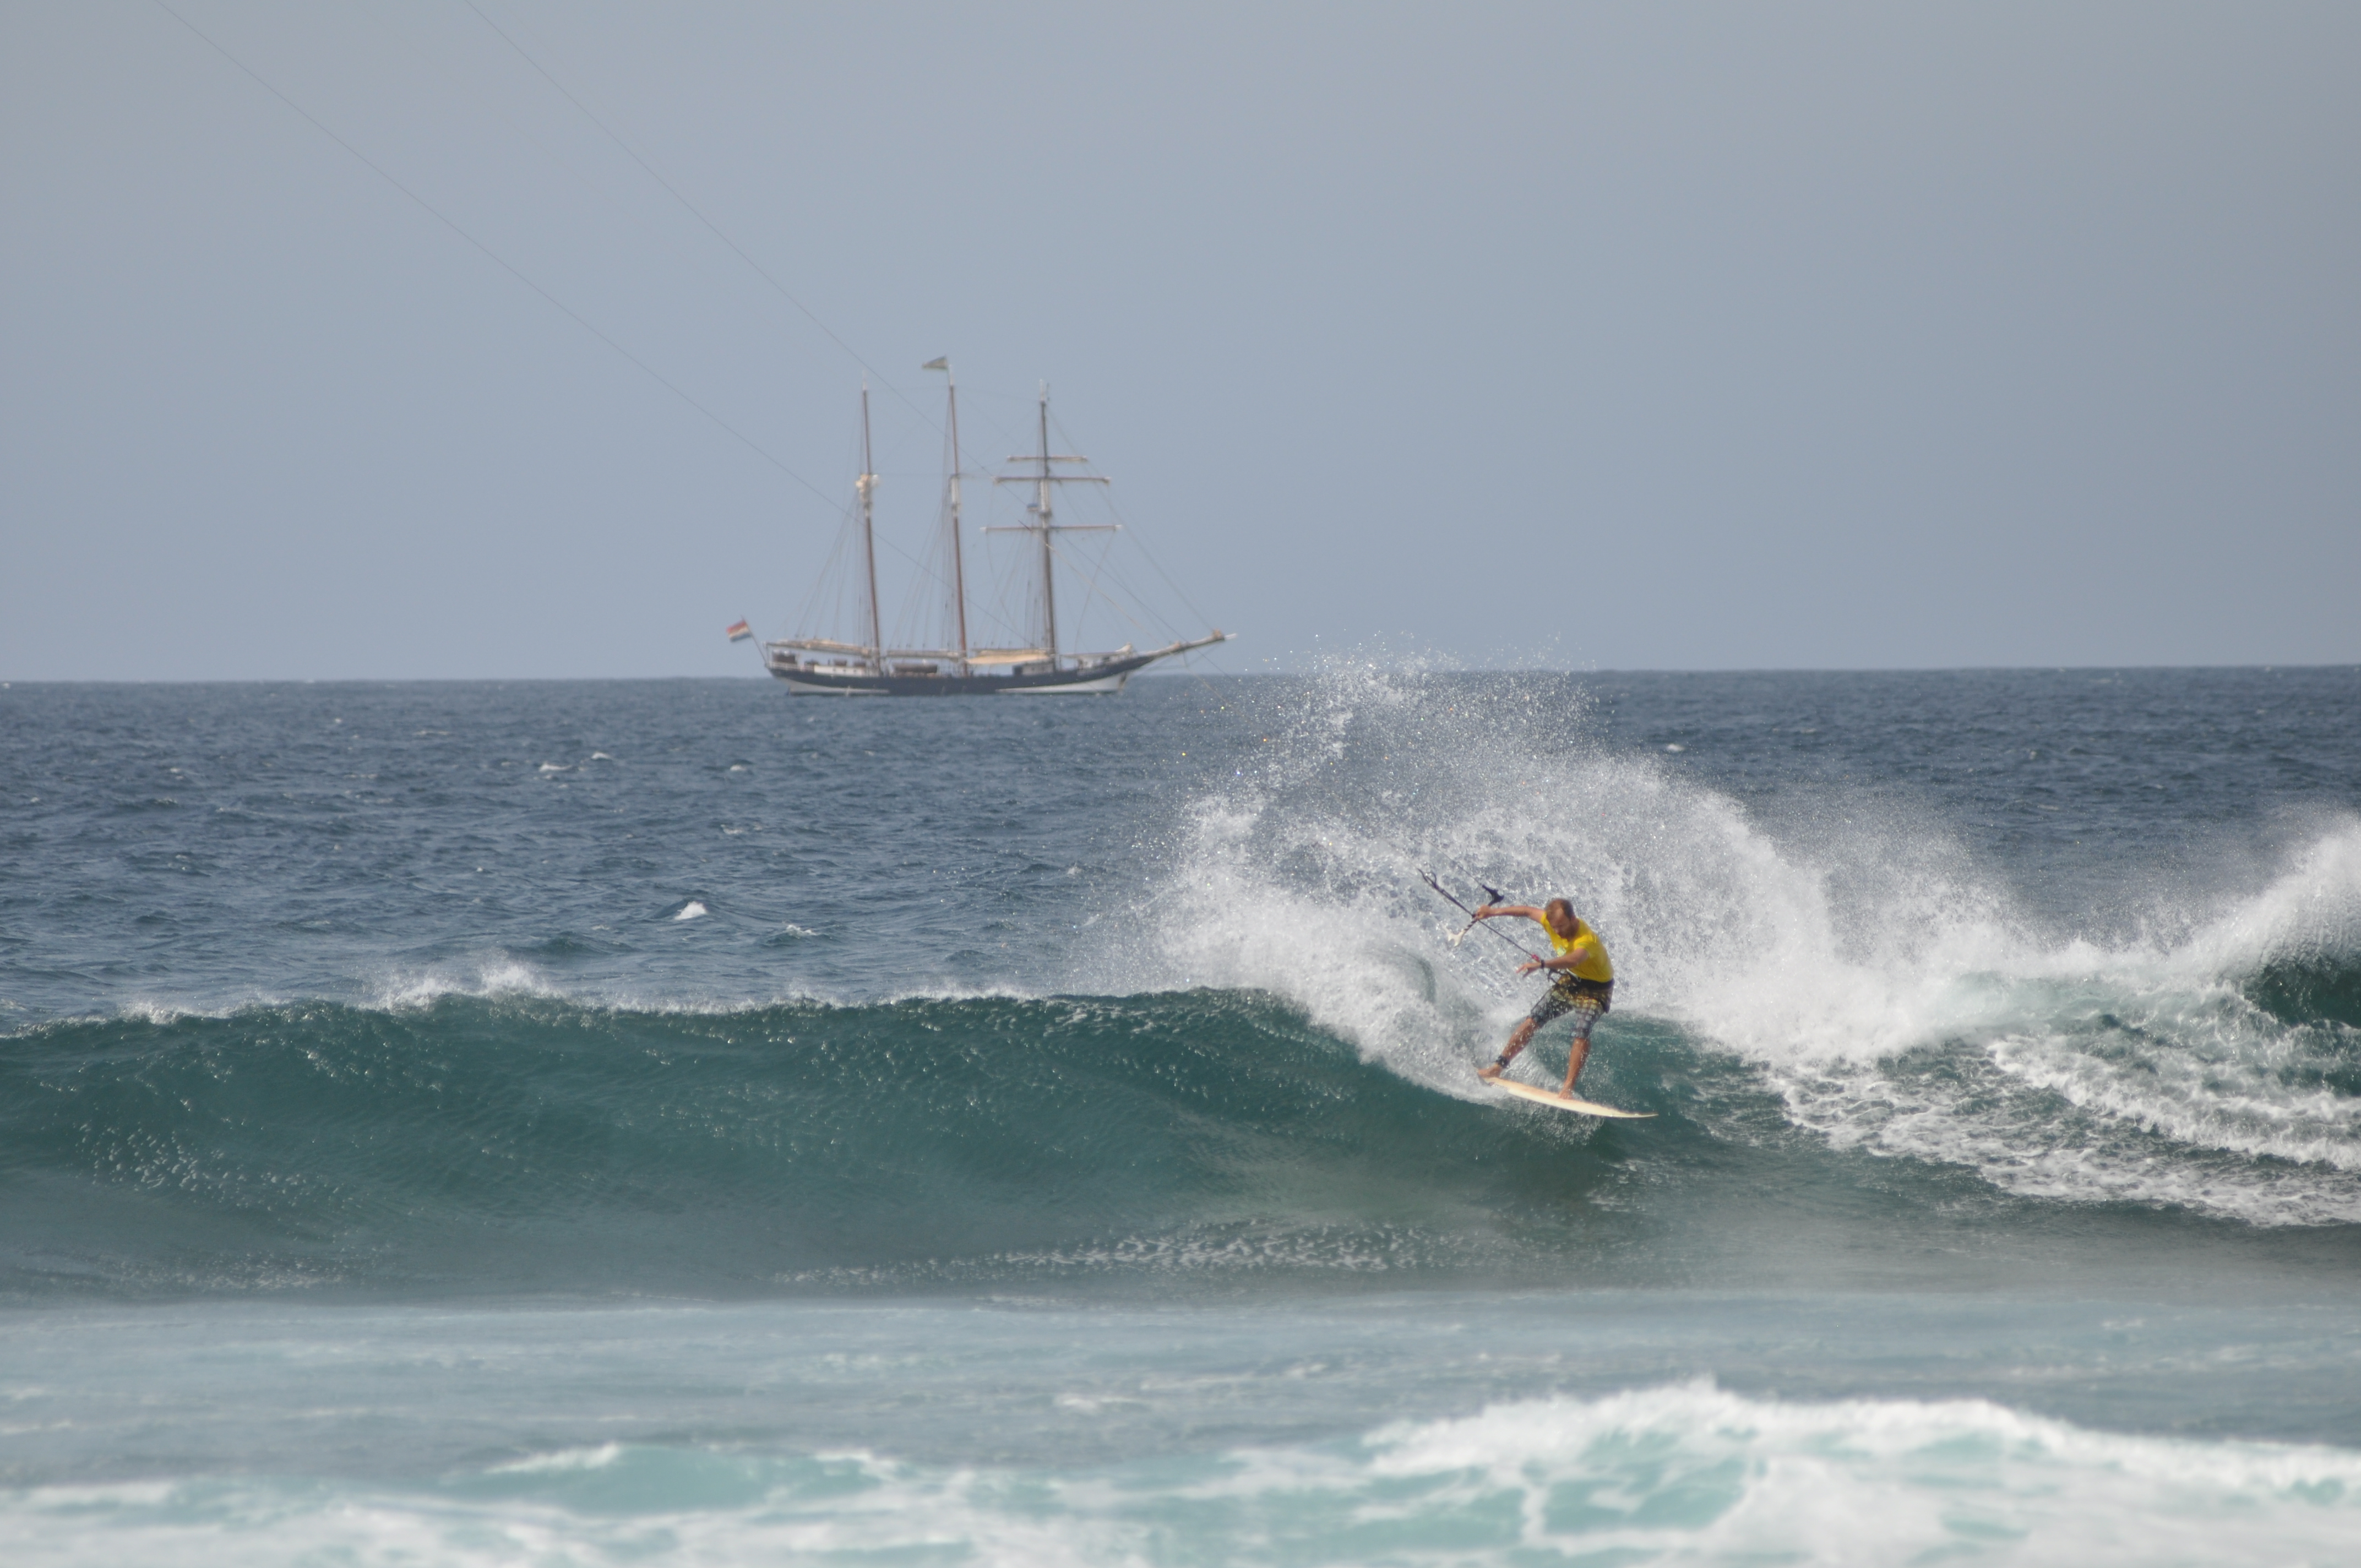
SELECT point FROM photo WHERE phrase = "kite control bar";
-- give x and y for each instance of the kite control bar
(1495, 895)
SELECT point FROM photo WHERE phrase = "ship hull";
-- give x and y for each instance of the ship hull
(1096, 680)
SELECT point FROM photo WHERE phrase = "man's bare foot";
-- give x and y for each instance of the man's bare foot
(1489, 1072)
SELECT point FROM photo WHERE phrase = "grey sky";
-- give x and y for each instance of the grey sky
(1646, 336)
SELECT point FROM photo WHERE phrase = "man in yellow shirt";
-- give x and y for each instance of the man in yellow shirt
(1586, 982)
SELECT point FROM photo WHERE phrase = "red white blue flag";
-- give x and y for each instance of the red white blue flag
(741, 632)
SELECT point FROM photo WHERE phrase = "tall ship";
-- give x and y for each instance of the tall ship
(830, 667)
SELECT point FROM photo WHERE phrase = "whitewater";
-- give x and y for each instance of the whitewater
(668, 1120)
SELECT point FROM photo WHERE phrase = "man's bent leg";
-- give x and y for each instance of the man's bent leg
(1556, 1001)
(1519, 1039)
(1585, 1015)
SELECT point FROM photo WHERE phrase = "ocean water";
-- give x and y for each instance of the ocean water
(676, 1122)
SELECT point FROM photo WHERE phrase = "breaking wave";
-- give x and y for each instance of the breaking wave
(1851, 954)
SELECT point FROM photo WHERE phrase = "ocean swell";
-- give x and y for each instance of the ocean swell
(526, 1141)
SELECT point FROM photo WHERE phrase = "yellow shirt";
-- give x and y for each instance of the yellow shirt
(1593, 964)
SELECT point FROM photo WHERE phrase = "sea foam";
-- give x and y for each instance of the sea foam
(1687, 1473)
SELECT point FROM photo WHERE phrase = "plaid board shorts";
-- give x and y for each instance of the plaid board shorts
(1586, 999)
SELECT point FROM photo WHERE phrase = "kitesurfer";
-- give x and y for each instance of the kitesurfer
(1585, 982)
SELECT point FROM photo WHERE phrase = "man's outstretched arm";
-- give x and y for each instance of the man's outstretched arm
(1563, 961)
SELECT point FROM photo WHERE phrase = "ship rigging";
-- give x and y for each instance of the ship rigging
(820, 665)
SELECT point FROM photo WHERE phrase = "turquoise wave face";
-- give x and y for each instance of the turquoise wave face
(805, 1144)
(2313, 988)
(1190, 1140)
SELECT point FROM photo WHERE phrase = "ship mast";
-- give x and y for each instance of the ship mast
(868, 487)
(1047, 525)
(958, 566)
(1041, 510)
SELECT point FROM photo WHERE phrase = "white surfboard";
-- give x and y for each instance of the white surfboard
(1564, 1102)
